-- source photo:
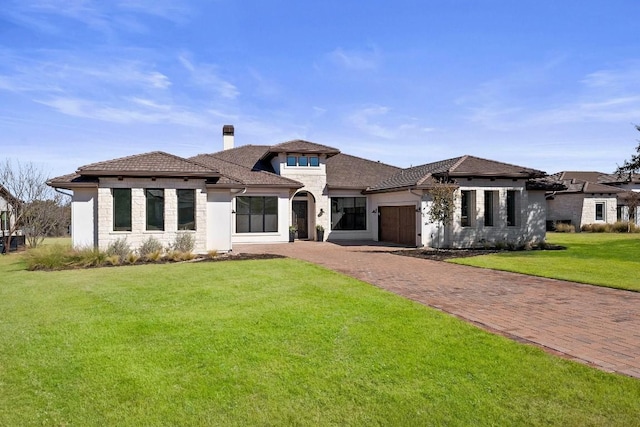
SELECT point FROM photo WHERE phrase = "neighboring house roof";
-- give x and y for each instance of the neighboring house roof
(424, 176)
(156, 163)
(584, 182)
(243, 175)
(350, 172)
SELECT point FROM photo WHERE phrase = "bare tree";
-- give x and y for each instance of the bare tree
(45, 218)
(27, 190)
(443, 205)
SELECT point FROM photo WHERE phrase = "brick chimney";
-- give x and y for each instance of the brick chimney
(227, 137)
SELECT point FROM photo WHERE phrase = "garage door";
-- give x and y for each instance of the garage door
(397, 224)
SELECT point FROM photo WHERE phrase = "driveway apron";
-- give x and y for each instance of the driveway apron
(594, 325)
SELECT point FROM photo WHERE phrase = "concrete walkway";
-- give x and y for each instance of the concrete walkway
(590, 324)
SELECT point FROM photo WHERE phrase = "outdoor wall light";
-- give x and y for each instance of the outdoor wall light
(321, 212)
(374, 211)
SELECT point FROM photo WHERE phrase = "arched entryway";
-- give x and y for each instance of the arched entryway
(303, 206)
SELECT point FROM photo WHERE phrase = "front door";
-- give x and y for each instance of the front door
(300, 218)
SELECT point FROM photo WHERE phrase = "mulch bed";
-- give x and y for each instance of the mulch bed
(444, 254)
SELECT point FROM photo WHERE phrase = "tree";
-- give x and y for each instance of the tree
(46, 218)
(632, 165)
(443, 204)
(29, 196)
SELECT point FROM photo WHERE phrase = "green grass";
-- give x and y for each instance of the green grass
(603, 259)
(271, 342)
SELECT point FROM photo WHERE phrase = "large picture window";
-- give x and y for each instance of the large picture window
(256, 214)
(155, 209)
(121, 209)
(186, 209)
(348, 213)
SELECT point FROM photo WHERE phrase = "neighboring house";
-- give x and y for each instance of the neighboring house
(8, 206)
(589, 198)
(254, 193)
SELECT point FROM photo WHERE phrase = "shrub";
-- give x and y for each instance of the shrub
(212, 253)
(113, 260)
(119, 248)
(154, 256)
(150, 246)
(48, 257)
(562, 227)
(180, 256)
(184, 242)
(132, 258)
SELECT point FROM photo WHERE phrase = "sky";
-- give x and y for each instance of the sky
(551, 85)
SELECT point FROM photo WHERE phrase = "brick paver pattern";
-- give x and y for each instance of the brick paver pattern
(594, 325)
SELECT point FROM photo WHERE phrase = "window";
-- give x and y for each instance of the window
(488, 208)
(155, 209)
(186, 209)
(511, 208)
(303, 161)
(467, 205)
(256, 214)
(121, 209)
(348, 213)
(599, 211)
(4, 220)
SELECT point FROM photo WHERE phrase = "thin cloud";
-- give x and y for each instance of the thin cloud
(356, 60)
(206, 77)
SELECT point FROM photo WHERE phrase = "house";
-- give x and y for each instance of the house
(590, 198)
(255, 193)
(8, 205)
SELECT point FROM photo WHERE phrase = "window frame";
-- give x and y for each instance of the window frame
(303, 161)
(600, 216)
(186, 224)
(154, 205)
(489, 208)
(127, 221)
(355, 220)
(254, 210)
(512, 208)
(467, 203)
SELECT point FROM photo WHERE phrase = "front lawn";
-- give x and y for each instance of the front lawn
(269, 342)
(604, 259)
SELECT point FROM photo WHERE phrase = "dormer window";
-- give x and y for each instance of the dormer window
(303, 161)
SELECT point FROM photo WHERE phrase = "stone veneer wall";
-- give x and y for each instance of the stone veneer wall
(138, 234)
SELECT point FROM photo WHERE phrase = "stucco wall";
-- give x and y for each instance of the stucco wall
(84, 217)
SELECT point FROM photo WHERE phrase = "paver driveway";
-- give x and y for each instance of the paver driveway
(591, 324)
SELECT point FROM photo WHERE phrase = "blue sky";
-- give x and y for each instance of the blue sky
(553, 85)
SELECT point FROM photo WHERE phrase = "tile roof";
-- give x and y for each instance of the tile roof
(587, 182)
(243, 175)
(464, 166)
(345, 171)
(301, 146)
(244, 155)
(73, 180)
(156, 163)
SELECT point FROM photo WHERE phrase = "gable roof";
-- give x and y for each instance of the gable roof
(424, 176)
(156, 163)
(299, 146)
(350, 172)
(244, 155)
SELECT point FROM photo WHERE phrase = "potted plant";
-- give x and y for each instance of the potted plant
(292, 232)
(319, 233)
